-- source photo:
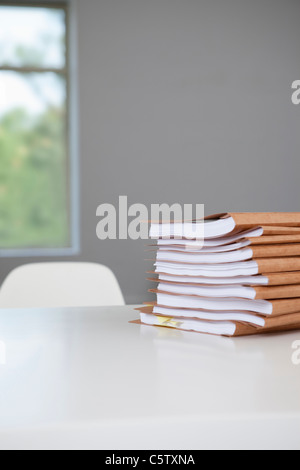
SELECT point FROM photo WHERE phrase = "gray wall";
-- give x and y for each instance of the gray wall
(184, 101)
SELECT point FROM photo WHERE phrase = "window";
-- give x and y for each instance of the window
(37, 173)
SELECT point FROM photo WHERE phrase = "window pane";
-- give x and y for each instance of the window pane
(32, 37)
(33, 161)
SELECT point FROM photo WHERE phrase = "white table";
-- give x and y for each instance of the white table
(87, 378)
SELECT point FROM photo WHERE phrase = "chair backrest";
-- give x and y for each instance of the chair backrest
(60, 284)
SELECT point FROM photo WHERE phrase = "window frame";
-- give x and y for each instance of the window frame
(72, 139)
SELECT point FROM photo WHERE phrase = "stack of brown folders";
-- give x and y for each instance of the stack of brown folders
(242, 278)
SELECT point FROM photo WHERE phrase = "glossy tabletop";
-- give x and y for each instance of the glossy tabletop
(87, 378)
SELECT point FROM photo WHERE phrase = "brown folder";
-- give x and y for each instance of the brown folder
(260, 219)
(262, 292)
(277, 292)
(265, 265)
(272, 222)
(286, 278)
(274, 279)
(262, 240)
(272, 324)
(276, 251)
(279, 307)
(278, 265)
(273, 230)
(275, 239)
(250, 219)
(258, 251)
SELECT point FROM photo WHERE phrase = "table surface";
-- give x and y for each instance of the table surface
(87, 378)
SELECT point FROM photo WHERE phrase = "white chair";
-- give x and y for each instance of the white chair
(60, 284)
